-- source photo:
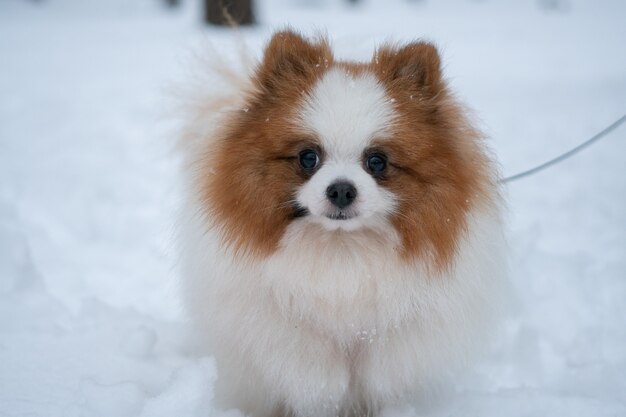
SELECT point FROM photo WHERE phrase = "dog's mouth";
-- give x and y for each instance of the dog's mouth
(299, 211)
(340, 215)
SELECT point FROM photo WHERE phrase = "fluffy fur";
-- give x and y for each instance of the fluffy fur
(313, 310)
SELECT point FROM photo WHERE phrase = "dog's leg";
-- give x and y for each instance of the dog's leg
(271, 362)
(309, 373)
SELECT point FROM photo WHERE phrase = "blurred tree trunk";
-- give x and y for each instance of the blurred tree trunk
(227, 12)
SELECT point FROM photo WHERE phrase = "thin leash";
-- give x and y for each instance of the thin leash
(567, 154)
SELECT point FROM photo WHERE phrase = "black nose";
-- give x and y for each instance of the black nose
(341, 194)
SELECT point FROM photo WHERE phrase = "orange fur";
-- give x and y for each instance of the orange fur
(437, 168)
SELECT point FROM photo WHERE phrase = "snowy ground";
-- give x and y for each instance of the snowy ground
(90, 323)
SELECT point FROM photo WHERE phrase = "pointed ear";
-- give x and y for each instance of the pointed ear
(289, 55)
(416, 65)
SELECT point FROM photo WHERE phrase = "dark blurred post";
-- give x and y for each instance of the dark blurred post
(229, 12)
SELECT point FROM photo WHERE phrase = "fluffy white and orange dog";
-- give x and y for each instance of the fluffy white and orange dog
(342, 244)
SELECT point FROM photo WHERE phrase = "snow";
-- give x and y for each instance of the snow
(90, 323)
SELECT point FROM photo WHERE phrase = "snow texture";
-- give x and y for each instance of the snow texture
(90, 320)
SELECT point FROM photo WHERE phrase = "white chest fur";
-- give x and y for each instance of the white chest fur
(333, 319)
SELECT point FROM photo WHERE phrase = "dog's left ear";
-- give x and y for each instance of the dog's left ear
(416, 66)
(293, 58)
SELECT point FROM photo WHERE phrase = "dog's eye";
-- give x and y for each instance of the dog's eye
(309, 159)
(376, 163)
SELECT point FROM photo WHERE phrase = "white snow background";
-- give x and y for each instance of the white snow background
(90, 323)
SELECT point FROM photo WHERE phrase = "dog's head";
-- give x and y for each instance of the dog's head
(344, 147)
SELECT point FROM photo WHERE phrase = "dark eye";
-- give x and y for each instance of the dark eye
(376, 163)
(309, 159)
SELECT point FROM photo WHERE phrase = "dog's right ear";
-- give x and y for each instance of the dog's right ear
(290, 56)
